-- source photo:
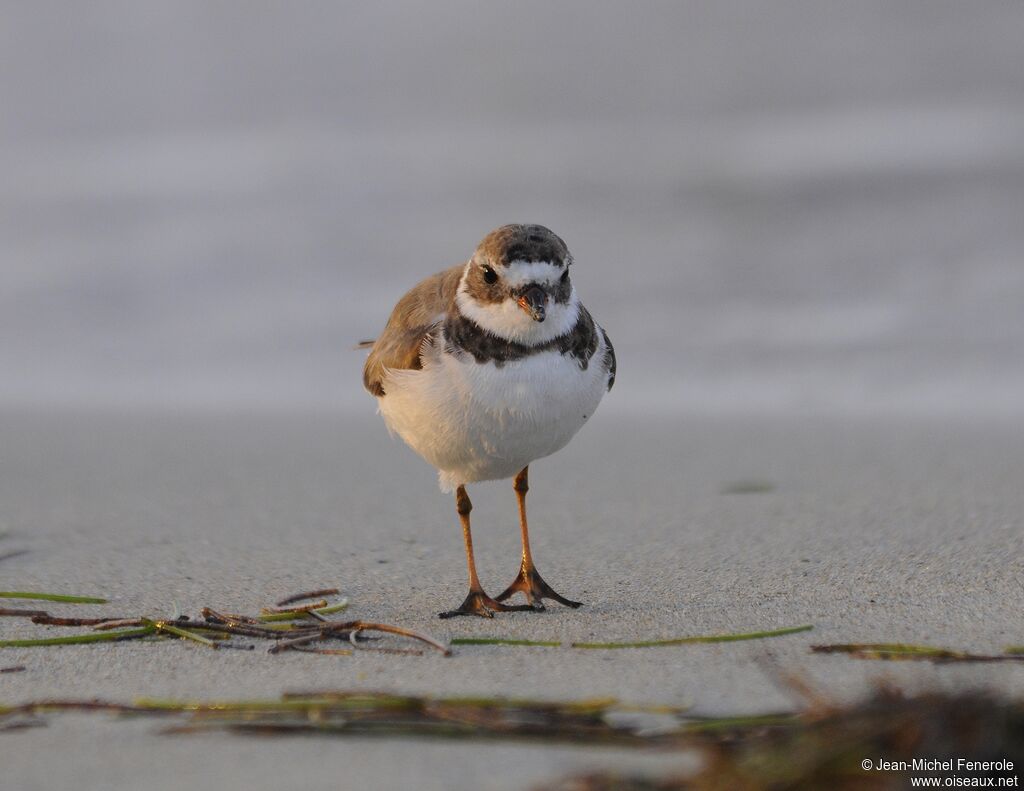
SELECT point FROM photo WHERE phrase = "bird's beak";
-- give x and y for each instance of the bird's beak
(533, 301)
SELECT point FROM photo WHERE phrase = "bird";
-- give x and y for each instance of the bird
(485, 367)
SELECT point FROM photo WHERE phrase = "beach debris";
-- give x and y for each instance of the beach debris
(12, 669)
(713, 638)
(350, 630)
(46, 619)
(837, 747)
(17, 612)
(907, 652)
(504, 641)
(13, 554)
(291, 615)
(118, 623)
(363, 713)
(307, 595)
(78, 639)
(170, 628)
(298, 626)
(294, 608)
(841, 748)
(57, 597)
(289, 627)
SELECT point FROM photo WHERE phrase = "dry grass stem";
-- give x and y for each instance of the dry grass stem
(307, 595)
(296, 608)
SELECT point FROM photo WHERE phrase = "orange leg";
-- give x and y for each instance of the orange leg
(477, 602)
(529, 581)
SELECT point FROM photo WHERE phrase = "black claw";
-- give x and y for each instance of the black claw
(532, 585)
(480, 604)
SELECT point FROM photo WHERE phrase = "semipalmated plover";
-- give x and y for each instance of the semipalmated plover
(487, 366)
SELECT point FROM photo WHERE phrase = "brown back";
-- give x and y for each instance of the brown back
(415, 315)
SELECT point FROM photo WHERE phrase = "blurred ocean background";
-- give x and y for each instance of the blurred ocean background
(775, 207)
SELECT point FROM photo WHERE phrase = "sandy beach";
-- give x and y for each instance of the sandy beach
(872, 531)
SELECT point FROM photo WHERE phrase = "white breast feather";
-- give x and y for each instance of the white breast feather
(478, 421)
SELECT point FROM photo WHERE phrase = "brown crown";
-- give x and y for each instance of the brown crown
(523, 243)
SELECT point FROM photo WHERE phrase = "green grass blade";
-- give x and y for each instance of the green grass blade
(78, 639)
(584, 706)
(292, 616)
(232, 706)
(501, 641)
(884, 648)
(163, 626)
(736, 723)
(715, 638)
(51, 597)
(894, 651)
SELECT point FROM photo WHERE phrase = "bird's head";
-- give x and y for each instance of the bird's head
(517, 285)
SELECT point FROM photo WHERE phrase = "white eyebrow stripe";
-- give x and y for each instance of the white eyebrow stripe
(519, 273)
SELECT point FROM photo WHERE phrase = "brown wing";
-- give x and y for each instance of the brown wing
(411, 321)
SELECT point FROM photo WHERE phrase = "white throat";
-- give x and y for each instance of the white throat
(510, 322)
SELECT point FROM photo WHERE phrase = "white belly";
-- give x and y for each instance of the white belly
(479, 422)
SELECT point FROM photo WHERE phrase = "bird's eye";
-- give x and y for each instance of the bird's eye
(565, 276)
(490, 275)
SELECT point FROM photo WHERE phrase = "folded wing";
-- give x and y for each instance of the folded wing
(411, 322)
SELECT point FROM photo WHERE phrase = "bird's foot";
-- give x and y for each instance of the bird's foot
(479, 603)
(532, 585)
